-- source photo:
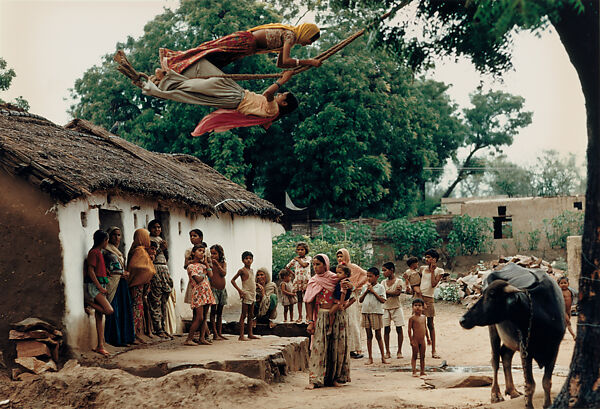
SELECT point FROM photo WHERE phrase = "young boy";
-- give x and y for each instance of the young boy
(392, 310)
(417, 331)
(247, 294)
(340, 294)
(431, 275)
(412, 276)
(301, 273)
(568, 294)
(372, 298)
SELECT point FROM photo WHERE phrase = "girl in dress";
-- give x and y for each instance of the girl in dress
(199, 272)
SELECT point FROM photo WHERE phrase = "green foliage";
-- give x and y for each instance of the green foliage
(410, 238)
(358, 144)
(554, 175)
(533, 239)
(449, 292)
(328, 241)
(557, 229)
(470, 235)
(6, 77)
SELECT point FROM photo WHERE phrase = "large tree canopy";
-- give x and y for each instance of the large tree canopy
(358, 144)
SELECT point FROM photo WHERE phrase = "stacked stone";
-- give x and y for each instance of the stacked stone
(37, 344)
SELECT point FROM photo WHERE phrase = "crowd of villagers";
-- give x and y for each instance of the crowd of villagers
(136, 295)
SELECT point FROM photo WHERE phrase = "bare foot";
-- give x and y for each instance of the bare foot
(388, 355)
(415, 375)
(309, 386)
(102, 351)
(253, 336)
(243, 339)
(369, 361)
(190, 343)
(337, 385)
(384, 361)
(221, 337)
(435, 355)
(422, 375)
(204, 342)
(399, 355)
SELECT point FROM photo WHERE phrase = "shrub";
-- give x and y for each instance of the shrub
(410, 238)
(450, 292)
(557, 229)
(533, 239)
(470, 235)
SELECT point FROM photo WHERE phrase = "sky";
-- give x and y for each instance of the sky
(51, 43)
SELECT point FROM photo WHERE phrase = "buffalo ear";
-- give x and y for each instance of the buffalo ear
(510, 289)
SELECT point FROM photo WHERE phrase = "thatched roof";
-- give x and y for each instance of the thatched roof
(81, 158)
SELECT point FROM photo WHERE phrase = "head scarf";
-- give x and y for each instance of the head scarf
(318, 282)
(267, 275)
(303, 32)
(114, 249)
(223, 120)
(358, 276)
(140, 266)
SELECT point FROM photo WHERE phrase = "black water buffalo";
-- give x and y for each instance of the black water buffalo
(525, 311)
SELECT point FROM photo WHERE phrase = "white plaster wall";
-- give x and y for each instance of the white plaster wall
(235, 233)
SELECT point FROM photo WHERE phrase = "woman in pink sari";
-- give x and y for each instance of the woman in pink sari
(329, 363)
(358, 279)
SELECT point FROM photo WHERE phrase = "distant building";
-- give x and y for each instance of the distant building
(60, 184)
(513, 218)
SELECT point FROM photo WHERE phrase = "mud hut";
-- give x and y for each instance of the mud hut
(60, 184)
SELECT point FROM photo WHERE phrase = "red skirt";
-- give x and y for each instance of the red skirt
(220, 52)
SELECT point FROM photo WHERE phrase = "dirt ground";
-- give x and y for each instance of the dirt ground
(375, 386)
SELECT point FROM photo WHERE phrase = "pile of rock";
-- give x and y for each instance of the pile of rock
(472, 284)
(37, 343)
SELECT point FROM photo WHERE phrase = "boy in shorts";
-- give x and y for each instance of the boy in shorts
(431, 275)
(372, 299)
(392, 310)
(247, 294)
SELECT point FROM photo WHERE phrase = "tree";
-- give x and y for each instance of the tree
(555, 176)
(359, 143)
(507, 178)
(491, 123)
(6, 77)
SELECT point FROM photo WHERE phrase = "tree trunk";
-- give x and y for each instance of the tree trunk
(461, 173)
(579, 35)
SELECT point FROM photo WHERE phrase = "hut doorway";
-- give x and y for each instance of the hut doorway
(110, 218)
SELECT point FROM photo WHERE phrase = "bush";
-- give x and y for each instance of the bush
(470, 235)
(410, 238)
(557, 229)
(328, 241)
(533, 239)
(450, 292)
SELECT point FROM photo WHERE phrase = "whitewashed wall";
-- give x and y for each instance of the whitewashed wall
(235, 233)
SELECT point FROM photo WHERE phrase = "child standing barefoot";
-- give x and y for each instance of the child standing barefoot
(95, 280)
(288, 295)
(202, 296)
(568, 294)
(217, 283)
(372, 299)
(247, 294)
(301, 274)
(392, 310)
(417, 331)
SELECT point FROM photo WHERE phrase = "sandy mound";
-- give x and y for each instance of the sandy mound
(85, 387)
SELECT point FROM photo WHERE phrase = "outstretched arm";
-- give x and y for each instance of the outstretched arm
(285, 61)
(270, 92)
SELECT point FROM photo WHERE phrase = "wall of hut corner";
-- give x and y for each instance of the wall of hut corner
(30, 258)
(80, 218)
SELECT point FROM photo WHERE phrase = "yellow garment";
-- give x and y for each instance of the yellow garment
(256, 104)
(303, 32)
(140, 266)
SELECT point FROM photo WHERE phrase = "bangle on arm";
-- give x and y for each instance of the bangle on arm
(278, 84)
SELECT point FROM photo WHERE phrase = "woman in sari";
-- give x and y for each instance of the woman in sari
(358, 279)
(267, 38)
(118, 327)
(265, 308)
(329, 362)
(141, 270)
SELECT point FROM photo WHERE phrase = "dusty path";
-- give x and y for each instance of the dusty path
(377, 386)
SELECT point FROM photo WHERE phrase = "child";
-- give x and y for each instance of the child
(340, 294)
(372, 299)
(288, 295)
(217, 284)
(301, 274)
(568, 295)
(95, 280)
(247, 294)
(417, 331)
(412, 276)
(392, 310)
(161, 284)
(202, 297)
(431, 275)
